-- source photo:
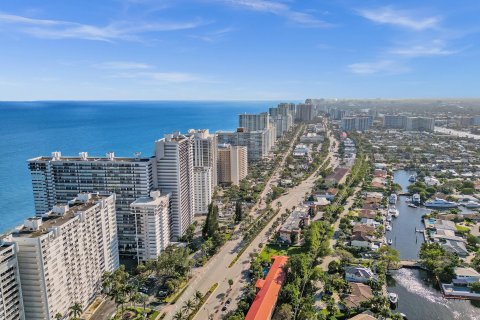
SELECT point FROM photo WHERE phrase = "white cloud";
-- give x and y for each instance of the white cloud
(400, 18)
(123, 30)
(434, 48)
(280, 9)
(162, 77)
(123, 65)
(214, 36)
(381, 66)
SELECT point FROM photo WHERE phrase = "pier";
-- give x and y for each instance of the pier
(409, 264)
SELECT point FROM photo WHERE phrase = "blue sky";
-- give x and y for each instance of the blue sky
(238, 49)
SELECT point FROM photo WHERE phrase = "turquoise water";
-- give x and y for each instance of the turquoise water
(30, 129)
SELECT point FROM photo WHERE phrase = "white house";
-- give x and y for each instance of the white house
(359, 274)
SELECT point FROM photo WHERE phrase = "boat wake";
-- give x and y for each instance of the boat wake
(407, 279)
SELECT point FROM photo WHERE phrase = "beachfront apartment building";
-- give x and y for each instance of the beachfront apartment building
(205, 151)
(152, 225)
(394, 121)
(254, 122)
(174, 175)
(63, 254)
(11, 302)
(202, 187)
(420, 124)
(58, 179)
(360, 123)
(232, 164)
(305, 112)
(258, 143)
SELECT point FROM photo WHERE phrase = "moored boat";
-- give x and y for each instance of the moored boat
(411, 205)
(393, 198)
(393, 297)
(440, 204)
(416, 199)
(471, 205)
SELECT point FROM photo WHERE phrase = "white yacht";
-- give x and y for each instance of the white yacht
(390, 242)
(393, 298)
(472, 205)
(393, 198)
(412, 178)
(416, 199)
(440, 204)
(393, 212)
(388, 227)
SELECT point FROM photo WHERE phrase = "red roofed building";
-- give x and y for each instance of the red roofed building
(268, 290)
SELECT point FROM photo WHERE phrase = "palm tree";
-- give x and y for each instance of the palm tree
(179, 315)
(58, 316)
(75, 310)
(198, 297)
(188, 306)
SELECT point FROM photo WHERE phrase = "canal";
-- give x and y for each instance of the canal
(419, 299)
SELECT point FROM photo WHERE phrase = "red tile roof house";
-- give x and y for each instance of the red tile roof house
(268, 289)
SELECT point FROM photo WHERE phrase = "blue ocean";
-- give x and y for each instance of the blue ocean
(31, 129)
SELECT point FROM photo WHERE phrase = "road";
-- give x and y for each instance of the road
(457, 133)
(276, 173)
(239, 271)
(203, 278)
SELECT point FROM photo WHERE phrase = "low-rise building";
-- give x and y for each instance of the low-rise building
(359, 274)
(359, 293)
(268, 289)
(292, 228)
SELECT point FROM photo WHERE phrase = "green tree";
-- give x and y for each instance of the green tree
(58, 316)
(238, 212)
(284, 312)
(475, 287)
(114, 285)
(179, 315)
(188, 306)
(75, 311)
(230, 283)
(198, 297)
(211, 223)
(389, 255)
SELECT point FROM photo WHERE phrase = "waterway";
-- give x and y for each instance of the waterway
(419, 299)
(405, 239)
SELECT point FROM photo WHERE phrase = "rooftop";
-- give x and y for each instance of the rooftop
(294, 220)
(467, 272)
(52, 219)
(264, 303)
(91, 159)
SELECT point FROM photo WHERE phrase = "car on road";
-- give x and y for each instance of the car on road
(224, 308)
(228, 301)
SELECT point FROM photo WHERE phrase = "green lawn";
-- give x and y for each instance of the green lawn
(274, 250)
(462, 229)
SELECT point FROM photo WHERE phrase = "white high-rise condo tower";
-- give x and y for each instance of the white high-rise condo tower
(174, 174)
(57, 179)
(152, 225)
(63, 254)
(11, 301)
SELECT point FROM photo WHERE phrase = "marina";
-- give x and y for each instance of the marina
(418, 296)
